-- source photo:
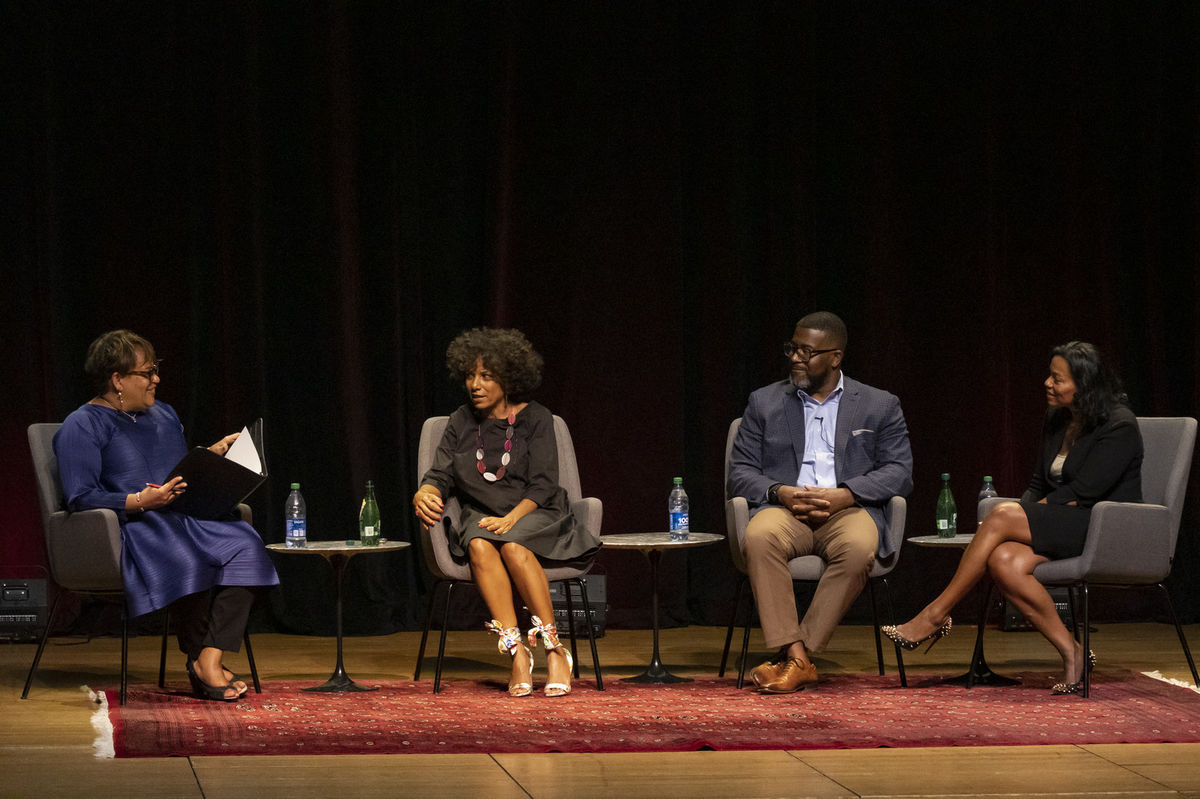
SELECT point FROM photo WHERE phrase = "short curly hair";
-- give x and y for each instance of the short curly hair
(504, 351)
(114, 351)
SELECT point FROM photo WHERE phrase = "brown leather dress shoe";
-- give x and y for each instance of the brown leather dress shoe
(794, 675)
(765, 672)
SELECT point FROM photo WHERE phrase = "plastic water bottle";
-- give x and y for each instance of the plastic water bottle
(368, 519)
(677, 505)
(295, 516)
(947, 512)
(988, 490)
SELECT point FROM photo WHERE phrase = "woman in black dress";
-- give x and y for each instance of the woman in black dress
(499, 457)
(1091, 451)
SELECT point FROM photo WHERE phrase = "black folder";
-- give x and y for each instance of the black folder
(215, 484)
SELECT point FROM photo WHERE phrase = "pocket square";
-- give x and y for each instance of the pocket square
(860, 431)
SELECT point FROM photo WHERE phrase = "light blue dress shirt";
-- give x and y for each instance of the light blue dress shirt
(820, 428)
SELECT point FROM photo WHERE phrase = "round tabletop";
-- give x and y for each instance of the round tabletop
(960, 540)
(652, 541)
(331, 548)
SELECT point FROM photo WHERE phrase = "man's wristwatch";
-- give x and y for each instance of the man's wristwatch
(773, 493)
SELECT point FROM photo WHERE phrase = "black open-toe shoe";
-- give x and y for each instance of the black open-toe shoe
(233, 678)
(202, 690)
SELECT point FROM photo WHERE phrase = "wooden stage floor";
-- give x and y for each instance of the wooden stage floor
(46, 740)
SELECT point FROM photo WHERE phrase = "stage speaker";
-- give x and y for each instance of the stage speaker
(599, 600)
(23, 609)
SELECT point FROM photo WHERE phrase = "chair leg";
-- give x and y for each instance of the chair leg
(124, 653)
(1087, 641)
(875, 626)
(253, 666)
(37, 656)
(591, 623)
(892, 619)
(437, 670)
(425, 632)
(737, 604)
(162, 656)
(741, 680)
(566, 584)
(1187, 652)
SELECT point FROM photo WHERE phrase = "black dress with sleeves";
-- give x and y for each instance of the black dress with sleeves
(551, 532)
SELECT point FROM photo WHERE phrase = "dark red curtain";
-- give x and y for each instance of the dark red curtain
(300, 204)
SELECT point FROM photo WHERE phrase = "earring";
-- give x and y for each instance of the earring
(121, 399)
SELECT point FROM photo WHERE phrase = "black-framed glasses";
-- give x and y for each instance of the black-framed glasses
(148, 373)
(805, 352)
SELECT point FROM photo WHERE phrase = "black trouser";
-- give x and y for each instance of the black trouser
(215, 618)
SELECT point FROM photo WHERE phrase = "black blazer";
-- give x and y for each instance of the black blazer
(1104, 464)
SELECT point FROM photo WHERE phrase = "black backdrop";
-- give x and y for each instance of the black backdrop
(301, 203)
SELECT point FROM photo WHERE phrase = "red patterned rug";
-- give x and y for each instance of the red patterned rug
(848, 711)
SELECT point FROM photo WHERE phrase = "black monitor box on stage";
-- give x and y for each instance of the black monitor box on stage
(1015, 621)
(22, 609)
(597, 597)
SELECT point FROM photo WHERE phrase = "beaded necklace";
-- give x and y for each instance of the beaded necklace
(504, 459)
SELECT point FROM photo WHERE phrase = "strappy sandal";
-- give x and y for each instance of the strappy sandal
(549, 633)
(510, 639)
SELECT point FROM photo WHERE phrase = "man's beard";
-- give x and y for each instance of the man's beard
(803, 382)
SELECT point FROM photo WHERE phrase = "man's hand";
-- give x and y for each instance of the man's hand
(813, 505)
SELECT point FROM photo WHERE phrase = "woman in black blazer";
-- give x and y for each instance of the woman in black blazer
(1091, 451)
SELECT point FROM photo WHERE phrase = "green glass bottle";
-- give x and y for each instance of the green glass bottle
(947, 512)
(368, 519)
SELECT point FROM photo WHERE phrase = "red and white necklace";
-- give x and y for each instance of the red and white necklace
(504, 459)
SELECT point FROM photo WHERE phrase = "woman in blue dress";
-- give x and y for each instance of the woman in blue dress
(499, 457)
(115, 451)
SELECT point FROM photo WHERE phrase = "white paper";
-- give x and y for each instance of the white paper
(244, 452)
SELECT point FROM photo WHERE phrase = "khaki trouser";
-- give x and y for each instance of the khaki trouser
(847, 544)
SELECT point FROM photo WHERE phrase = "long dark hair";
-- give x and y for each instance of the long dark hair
(1097, 388)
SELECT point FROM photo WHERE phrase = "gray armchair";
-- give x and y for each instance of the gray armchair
(808, 568)
(1131, 544)
(84, 553)
(449, 572)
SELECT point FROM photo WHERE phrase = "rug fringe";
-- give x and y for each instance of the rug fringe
(101, 724)
(1158, 675)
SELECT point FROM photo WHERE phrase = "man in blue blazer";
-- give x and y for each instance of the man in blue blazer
(818, 457)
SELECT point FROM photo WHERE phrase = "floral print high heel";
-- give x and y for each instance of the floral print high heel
(549, 633)
(510, 639)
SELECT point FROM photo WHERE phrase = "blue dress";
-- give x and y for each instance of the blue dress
(103, 456)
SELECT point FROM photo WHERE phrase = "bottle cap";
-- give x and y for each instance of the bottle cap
(987, 478)
(945, 475)
(678, 481)
(295, 486)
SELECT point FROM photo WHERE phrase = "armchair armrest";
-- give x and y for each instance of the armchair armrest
(1127, 543)
(85, 550)
(737, 516)
(589, 511)
(986, 506)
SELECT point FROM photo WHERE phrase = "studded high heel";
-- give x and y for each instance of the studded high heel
(510, 639)
(549, 633)
(891, 631)
(1063, 688)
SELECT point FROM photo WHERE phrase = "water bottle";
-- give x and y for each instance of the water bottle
(295, 516)
(988, 490)
(368, 519)
(677, 505)
(947, 513)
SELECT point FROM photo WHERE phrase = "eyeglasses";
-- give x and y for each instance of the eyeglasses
(147, 373)
(805, 352)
